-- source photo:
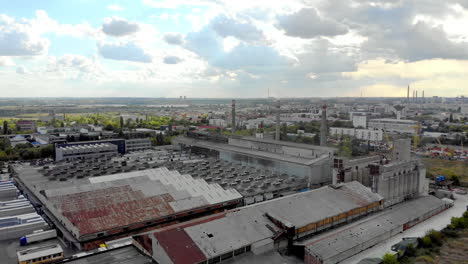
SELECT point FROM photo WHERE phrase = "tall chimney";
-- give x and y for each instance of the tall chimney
(323, 126)
(416, 98)
(278, 110)
(423, 97)
(233, 129)
(407, 96)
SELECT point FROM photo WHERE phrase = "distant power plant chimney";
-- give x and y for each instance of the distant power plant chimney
(323, 126)
(233, 129)
(416, 98)
(423, 97)
(278, 110)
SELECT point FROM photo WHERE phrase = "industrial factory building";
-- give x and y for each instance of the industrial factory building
(259, 228)
(362, 134)
(338, 245)
(395, 125)
(88, 211)
(137, 144)
(72, 152)
(302, 160)
(396, 180)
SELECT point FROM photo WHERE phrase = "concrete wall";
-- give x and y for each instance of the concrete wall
(401, 150)
(275, 148)
(317, 173)
(401, 180)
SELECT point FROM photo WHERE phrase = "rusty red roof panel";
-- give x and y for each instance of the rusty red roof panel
(179, 247)
(104, 209)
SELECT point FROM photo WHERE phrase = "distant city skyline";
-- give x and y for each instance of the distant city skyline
(233, 49)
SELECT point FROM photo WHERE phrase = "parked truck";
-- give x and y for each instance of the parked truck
(38, 235)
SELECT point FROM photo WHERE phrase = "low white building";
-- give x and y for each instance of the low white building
(363, 134)
(359, 121)
(218, 122)
(82, 151)
(395, 125)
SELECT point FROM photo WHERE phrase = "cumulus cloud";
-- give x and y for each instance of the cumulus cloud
(306, 23)
(20, 39)
(6, 61)
(320, 56)
(21, 70)
(117, 27)
(172, 60)
(226, 27)
(416, 42)
(173, 38)
(124, 51)
(72, 62)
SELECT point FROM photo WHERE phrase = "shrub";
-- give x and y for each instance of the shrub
(425, 241)
(449, 232)
(436, 237)
(410, 251)
(389, 259)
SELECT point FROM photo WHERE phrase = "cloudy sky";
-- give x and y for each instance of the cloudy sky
(226, 48)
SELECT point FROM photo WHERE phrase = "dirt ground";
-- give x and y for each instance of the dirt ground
(454, 251)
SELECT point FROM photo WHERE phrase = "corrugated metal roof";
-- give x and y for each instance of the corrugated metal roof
(248, 225)
(123, 199)
(335, 242)
(179, 247)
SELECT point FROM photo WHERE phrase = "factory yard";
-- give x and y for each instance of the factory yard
(436, 222)
(437, 166)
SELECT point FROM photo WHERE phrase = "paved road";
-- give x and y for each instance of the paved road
(437, 222)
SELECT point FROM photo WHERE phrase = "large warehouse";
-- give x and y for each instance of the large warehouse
(302, 160)
(259, 228)
(89, 211)
(338, 245)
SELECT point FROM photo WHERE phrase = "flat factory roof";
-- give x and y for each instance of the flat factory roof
(101, 203)
(256, 153)
(329, 245)
(124, 255)
(209, 237)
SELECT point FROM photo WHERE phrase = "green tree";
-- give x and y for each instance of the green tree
(389, 259)
(5, 127)
(345, 148)
(121, 122)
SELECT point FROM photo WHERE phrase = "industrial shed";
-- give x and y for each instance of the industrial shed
(89, 211)
(337, 245)
(261, 227)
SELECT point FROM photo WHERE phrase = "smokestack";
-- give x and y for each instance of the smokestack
(416, 98)
(323, 126)
(278, 110)
(413, 95)
(407, 96)
(233, 129)
(423, 101)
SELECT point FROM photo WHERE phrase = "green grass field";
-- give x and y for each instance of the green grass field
(447, 167)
